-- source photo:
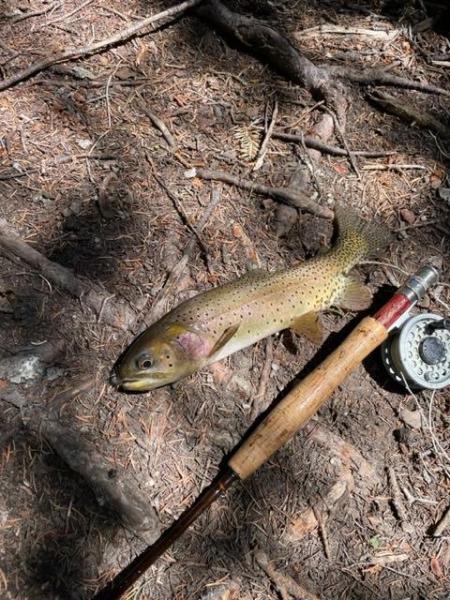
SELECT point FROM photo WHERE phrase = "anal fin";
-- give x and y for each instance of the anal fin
(310, 327)
(355, 296)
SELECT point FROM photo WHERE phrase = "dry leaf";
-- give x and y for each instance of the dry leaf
(436, 567)
(141, 55)
(341, 168)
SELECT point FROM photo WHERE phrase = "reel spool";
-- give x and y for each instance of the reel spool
(419, 352)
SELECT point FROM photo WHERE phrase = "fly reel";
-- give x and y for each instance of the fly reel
(418, 353)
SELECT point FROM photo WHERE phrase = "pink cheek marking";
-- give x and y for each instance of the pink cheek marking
(194, 345)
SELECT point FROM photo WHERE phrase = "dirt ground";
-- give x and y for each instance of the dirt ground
(348, 508)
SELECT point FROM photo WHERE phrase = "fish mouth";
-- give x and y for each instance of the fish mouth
(133, 384)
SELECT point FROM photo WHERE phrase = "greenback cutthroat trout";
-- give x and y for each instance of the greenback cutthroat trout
(225, 319)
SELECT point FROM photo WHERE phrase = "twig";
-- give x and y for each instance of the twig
(276, 50)
(320, 518)
(285, 585)
(381, 34)
(340, 130)
(393, 167)
(310, 518)
(70, 14)
(116, 314)
(263, 379)
(296, 199)
(35, 13)
(113, 488)
(158, 123)
(75, 53)
(442, 524)
(322, 147)
(397, 499)
(265, 143)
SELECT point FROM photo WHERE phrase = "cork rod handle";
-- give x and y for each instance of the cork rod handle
(306, 398)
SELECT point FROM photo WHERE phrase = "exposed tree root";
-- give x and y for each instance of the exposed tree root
(381, 77)
(112, 488)
(408, 113)
(276, 50)
(324, 148)
(295, 199)
(117, 314)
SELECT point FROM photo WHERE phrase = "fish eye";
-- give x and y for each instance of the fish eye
(144, 362)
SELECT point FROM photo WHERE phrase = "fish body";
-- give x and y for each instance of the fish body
(225, 319)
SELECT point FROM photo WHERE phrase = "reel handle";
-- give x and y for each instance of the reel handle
(306, 398)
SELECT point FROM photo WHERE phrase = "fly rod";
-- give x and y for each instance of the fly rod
(284, 420)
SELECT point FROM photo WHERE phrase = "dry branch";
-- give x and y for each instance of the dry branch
(329, 29)
(319, 145)
(407, 113)
(265, 143)
(116, 314)
(76, 53)
(298, 200)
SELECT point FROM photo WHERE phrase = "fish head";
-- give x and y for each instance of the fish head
(158, 357)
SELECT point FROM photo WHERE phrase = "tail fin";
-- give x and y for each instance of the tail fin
(357, 238)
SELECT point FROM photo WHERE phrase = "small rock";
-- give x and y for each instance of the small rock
(411, 418)
(21, 368)
(444, 194)
(84, 143)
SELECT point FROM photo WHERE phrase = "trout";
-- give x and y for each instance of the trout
(225, 319)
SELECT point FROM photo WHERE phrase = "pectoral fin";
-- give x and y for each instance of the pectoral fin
(224, 339)
(310, 327)
(355, 296)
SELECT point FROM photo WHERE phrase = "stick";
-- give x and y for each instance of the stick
(302, 201)
(116, 314)
(158, 123)
(265, 143)
(76, 53)
(326, 148)
(379, 34)
(263, 379)
(35, 13)
(443, 523)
